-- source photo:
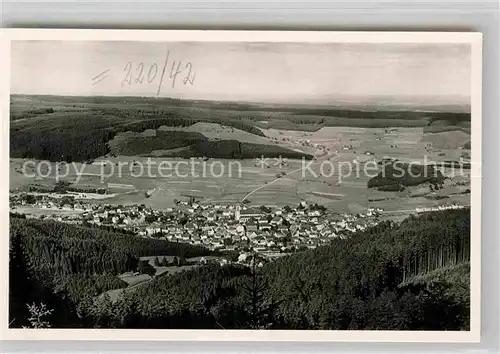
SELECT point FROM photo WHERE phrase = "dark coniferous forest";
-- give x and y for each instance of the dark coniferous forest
(408, 276)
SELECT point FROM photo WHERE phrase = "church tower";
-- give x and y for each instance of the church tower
(237, 213)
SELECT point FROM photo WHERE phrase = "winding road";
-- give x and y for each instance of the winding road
(323, 158)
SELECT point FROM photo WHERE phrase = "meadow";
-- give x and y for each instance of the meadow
(97, 134)
(135, 280)
(337, 189)
(83, 128)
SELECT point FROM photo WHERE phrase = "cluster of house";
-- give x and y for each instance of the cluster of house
(303, 142)
(267, 230)
(54, 201)
(308, 143)
(452, 206)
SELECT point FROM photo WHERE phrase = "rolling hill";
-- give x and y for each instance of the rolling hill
(80, 128)
(408, 276)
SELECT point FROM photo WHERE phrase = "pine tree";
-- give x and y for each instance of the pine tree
(259, 308)
(20, 285)
(39, 316)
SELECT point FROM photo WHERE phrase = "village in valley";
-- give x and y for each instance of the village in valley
(305, 212)
(260, 196)
(271, 231)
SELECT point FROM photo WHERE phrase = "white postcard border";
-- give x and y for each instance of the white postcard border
(472, 38)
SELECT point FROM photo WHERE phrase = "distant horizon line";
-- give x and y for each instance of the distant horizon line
(353, 101)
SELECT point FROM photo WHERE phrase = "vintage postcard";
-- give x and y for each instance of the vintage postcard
(241, 185)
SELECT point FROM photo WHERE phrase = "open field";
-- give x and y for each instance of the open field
(214, 131)
(169, 270)
(447, 140)
(95, 128)
(31, 210)
(326, 181)
(132, 279)
(83, 128)
(135, 281)
(309, 184)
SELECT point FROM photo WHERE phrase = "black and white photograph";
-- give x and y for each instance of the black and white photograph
(273, 183)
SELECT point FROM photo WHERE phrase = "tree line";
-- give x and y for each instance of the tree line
(82, 136)
(77, 262)
(387, 277)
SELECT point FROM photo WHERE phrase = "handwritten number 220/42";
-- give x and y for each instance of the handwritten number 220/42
(140, 74)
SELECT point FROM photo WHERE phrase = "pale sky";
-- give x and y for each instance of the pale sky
(267, 72)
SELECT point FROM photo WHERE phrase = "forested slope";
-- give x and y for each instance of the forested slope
(408, 276)
(359, 283)
(69, 129)
(74, 262)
